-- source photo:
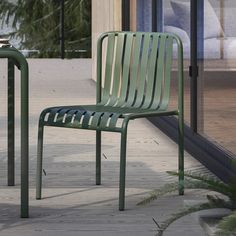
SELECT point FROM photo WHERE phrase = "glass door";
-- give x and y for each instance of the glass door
(218, 73)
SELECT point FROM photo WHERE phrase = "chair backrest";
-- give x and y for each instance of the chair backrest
(137, 69)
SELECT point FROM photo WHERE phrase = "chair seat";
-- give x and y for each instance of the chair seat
(95, 117)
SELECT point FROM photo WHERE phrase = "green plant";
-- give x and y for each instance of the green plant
(37, 25)
(227, 225)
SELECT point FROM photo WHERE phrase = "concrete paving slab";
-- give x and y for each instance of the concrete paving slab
(72, 204)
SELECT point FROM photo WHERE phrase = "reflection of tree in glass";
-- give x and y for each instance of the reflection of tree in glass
(37, 25)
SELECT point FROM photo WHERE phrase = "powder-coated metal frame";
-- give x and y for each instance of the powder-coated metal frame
(137, 80)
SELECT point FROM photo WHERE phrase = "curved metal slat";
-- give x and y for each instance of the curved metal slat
(78, 117)
(151, 72)
(126, 68)
(87, 116)
(168, 64)
(96, 119)
(114, 119)
(52, 114)
(142, 71)
(70, 116)
(134, 69)
(104, 119)
(159, 73)
(117, 69)
(108, 68)
(61, 114)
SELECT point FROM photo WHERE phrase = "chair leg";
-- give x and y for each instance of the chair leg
(98, 157)
(39, 162)
(122, 170)
(181, 155)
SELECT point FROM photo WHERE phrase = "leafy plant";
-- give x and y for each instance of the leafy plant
(37, 25)
(227, 225)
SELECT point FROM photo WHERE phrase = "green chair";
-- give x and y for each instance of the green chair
(133, 81)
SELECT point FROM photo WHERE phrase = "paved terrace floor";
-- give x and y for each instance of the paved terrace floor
(72, 204)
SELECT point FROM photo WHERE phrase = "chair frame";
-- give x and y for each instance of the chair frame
(126, 118)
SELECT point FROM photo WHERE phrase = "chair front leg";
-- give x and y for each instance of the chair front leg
(39, 162)
(181, 154)
(98, 157)
(122, 169)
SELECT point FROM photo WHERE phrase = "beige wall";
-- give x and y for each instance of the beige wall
(133, 6)
(106, 16)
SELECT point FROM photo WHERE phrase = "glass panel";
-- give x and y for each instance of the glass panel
(176, 17)
(219, 73)
(144, 15)
(34, 27)
(141, 20)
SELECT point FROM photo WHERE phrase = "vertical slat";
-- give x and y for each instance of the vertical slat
(126, 68)
(99, 68)
(108, 68)
(151, 72)
(117, 68)
(168, 64)
(134, 69)
(159, 73)
(143, 70)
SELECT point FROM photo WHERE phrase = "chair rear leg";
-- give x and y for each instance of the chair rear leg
(122, 170)
(98, 157)
(181, 155)
(39, 162)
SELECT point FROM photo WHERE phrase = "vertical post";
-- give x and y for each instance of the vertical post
(125, 15)
(222, 22)
(62, 30)
(122, 168)
(159, 15)
(193, 66)
(197, 65)
(11, 124)
(24, 141)
(154, 16)
(98, 157)
(181, 117)
(200, 65)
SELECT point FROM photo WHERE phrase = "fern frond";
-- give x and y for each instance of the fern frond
(212, 183)
(167, 188)
(227, 226)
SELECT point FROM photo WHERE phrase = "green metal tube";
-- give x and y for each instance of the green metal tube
(39, 162)
(24, 140)
(98, 157)
(11, 124)
(122, 170)
(181, 116)
(20, 61)
(123, 164)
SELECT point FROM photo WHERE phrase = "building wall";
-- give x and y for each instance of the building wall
(106, 16)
